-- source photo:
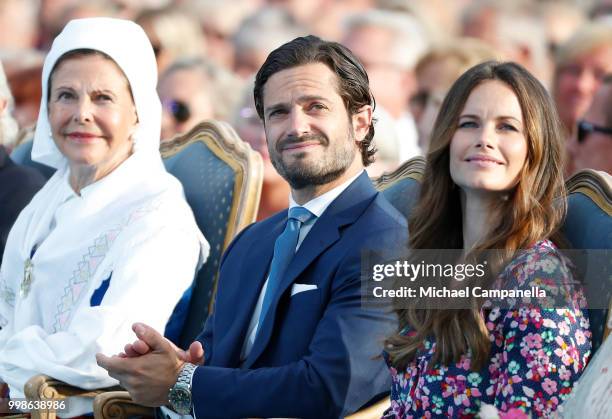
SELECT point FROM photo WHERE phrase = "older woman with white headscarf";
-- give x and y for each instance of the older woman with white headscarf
(110, 239)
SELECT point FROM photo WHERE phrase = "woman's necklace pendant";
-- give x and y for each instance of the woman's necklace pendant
(27, 278)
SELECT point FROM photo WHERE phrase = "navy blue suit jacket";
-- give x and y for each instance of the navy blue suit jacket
(18, 184)
(315, 355)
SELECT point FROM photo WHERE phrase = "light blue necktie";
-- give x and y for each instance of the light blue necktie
(284, 250)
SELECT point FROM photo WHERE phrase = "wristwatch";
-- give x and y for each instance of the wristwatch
(179, 395)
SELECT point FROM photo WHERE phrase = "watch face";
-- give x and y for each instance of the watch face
(180, 398)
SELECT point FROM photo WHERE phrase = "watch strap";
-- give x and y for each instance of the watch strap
(186, 374)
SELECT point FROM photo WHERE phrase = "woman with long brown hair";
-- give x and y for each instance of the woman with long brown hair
(493, 180)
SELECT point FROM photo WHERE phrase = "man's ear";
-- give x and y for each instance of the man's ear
(361, 121)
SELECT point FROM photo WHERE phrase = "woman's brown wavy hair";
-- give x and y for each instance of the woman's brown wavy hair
(530, 213)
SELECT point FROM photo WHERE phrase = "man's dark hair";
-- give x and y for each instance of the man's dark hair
(353, 83)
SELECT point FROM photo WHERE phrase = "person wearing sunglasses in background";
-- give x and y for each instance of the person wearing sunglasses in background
(591, 147)
(192, 90)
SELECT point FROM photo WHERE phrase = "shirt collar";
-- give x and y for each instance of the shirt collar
(319, 204)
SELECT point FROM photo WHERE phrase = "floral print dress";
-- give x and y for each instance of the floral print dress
(536, 354)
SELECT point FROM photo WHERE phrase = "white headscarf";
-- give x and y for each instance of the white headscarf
(127, 44)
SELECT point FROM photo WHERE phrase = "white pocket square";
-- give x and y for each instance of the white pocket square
(297, 288)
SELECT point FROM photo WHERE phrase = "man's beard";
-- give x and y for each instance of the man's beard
(330, 167)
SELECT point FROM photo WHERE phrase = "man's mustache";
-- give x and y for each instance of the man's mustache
(295, 139)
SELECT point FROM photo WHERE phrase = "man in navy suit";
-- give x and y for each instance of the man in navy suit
(288, 336)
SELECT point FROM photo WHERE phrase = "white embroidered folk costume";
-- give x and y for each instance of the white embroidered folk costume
(79, 270)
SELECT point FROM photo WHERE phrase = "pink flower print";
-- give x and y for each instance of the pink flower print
(539, 402)
(497, 338)
(536, 315)
(507, 389)
(549, 386)
(584, 322)
(461, 399)
(495, 362)
(553, 402)
(515, 379)
(564, 373)
(580, 338)
(569, 315)
(455, 386)
(523, 324)
(448, 387)
(572, 351)
(533, 340)
(425, 402)
(542, 362)
(525, 351)
(563, 328)
(513, 413)
(547, 405)
(464, 363)
(563, 351)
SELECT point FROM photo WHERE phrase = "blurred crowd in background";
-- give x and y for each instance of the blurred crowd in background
(413, 50)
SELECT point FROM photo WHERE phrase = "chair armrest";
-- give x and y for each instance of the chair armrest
(43, 387)
(118, 405)
(372, 412)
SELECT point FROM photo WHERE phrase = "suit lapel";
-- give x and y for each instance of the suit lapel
(344, 210)
(253, 274)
